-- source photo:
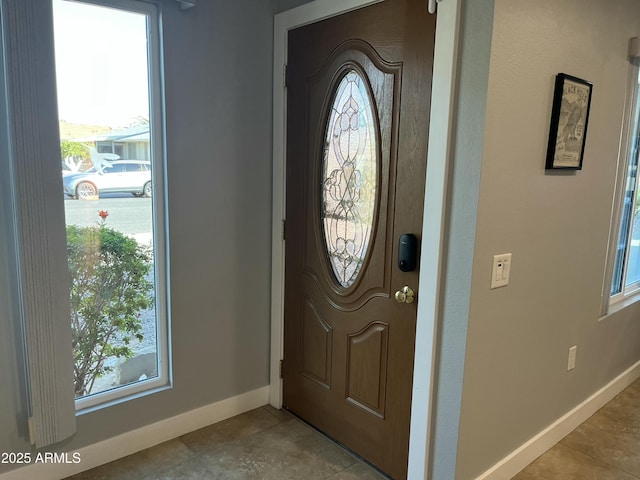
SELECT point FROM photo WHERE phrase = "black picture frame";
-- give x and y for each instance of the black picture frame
(569, 121)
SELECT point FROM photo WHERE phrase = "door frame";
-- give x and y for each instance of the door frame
(431, 268)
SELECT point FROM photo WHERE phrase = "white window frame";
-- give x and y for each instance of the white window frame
(161, 241)
(628, 136)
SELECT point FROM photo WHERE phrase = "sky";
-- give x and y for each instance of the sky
(101, 64)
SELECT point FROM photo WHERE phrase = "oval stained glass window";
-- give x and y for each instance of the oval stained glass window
(349, 178)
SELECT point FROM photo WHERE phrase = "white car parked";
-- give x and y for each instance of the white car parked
(121, 176)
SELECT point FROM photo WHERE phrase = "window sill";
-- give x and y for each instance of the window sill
(119, 395)
(621, 305)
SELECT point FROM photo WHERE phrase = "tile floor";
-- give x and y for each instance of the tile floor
(605, 447)
(270, 444)
(264, 444)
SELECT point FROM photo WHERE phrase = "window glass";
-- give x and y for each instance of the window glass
(114, 251)
(626, 273)
(115, 168)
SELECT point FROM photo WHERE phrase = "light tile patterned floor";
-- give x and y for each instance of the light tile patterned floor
(270, 444)
(265, 444)
(605, 447)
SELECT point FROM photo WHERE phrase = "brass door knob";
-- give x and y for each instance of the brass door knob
(405, 295)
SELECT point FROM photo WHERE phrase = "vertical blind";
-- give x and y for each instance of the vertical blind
(28, 70)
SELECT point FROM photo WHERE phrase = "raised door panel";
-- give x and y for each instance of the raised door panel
(367, 355)
(317, 345)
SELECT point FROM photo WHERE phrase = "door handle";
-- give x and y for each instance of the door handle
(405, 295)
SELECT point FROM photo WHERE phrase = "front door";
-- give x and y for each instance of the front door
(358, 98)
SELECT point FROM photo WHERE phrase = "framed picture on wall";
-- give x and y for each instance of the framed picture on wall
(569, 118)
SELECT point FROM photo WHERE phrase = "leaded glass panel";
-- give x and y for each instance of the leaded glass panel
(349, 178)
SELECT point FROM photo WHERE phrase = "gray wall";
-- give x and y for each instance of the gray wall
(555, 225)
(218, 74)
(284, 5)
(218, 110)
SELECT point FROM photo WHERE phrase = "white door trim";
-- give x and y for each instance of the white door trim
(440, 133)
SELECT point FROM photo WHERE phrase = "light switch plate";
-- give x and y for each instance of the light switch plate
(501, 270)
(571, 362)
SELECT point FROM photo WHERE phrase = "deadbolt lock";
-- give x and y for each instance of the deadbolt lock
(405, 295)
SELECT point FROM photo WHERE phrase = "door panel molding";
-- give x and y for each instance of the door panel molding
(316, 362)
(369, 346)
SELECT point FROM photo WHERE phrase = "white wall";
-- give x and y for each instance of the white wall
(556, 226)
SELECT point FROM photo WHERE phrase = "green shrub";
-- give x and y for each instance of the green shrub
(109, 289)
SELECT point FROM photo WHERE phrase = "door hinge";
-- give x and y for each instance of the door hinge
(32, 431)
(286, 75)
(284, 229)
(281, 362)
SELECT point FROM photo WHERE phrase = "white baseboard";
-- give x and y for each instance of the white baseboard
(131, 442)
(536, 446)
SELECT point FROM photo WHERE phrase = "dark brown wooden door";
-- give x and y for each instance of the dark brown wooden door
(358, 97)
